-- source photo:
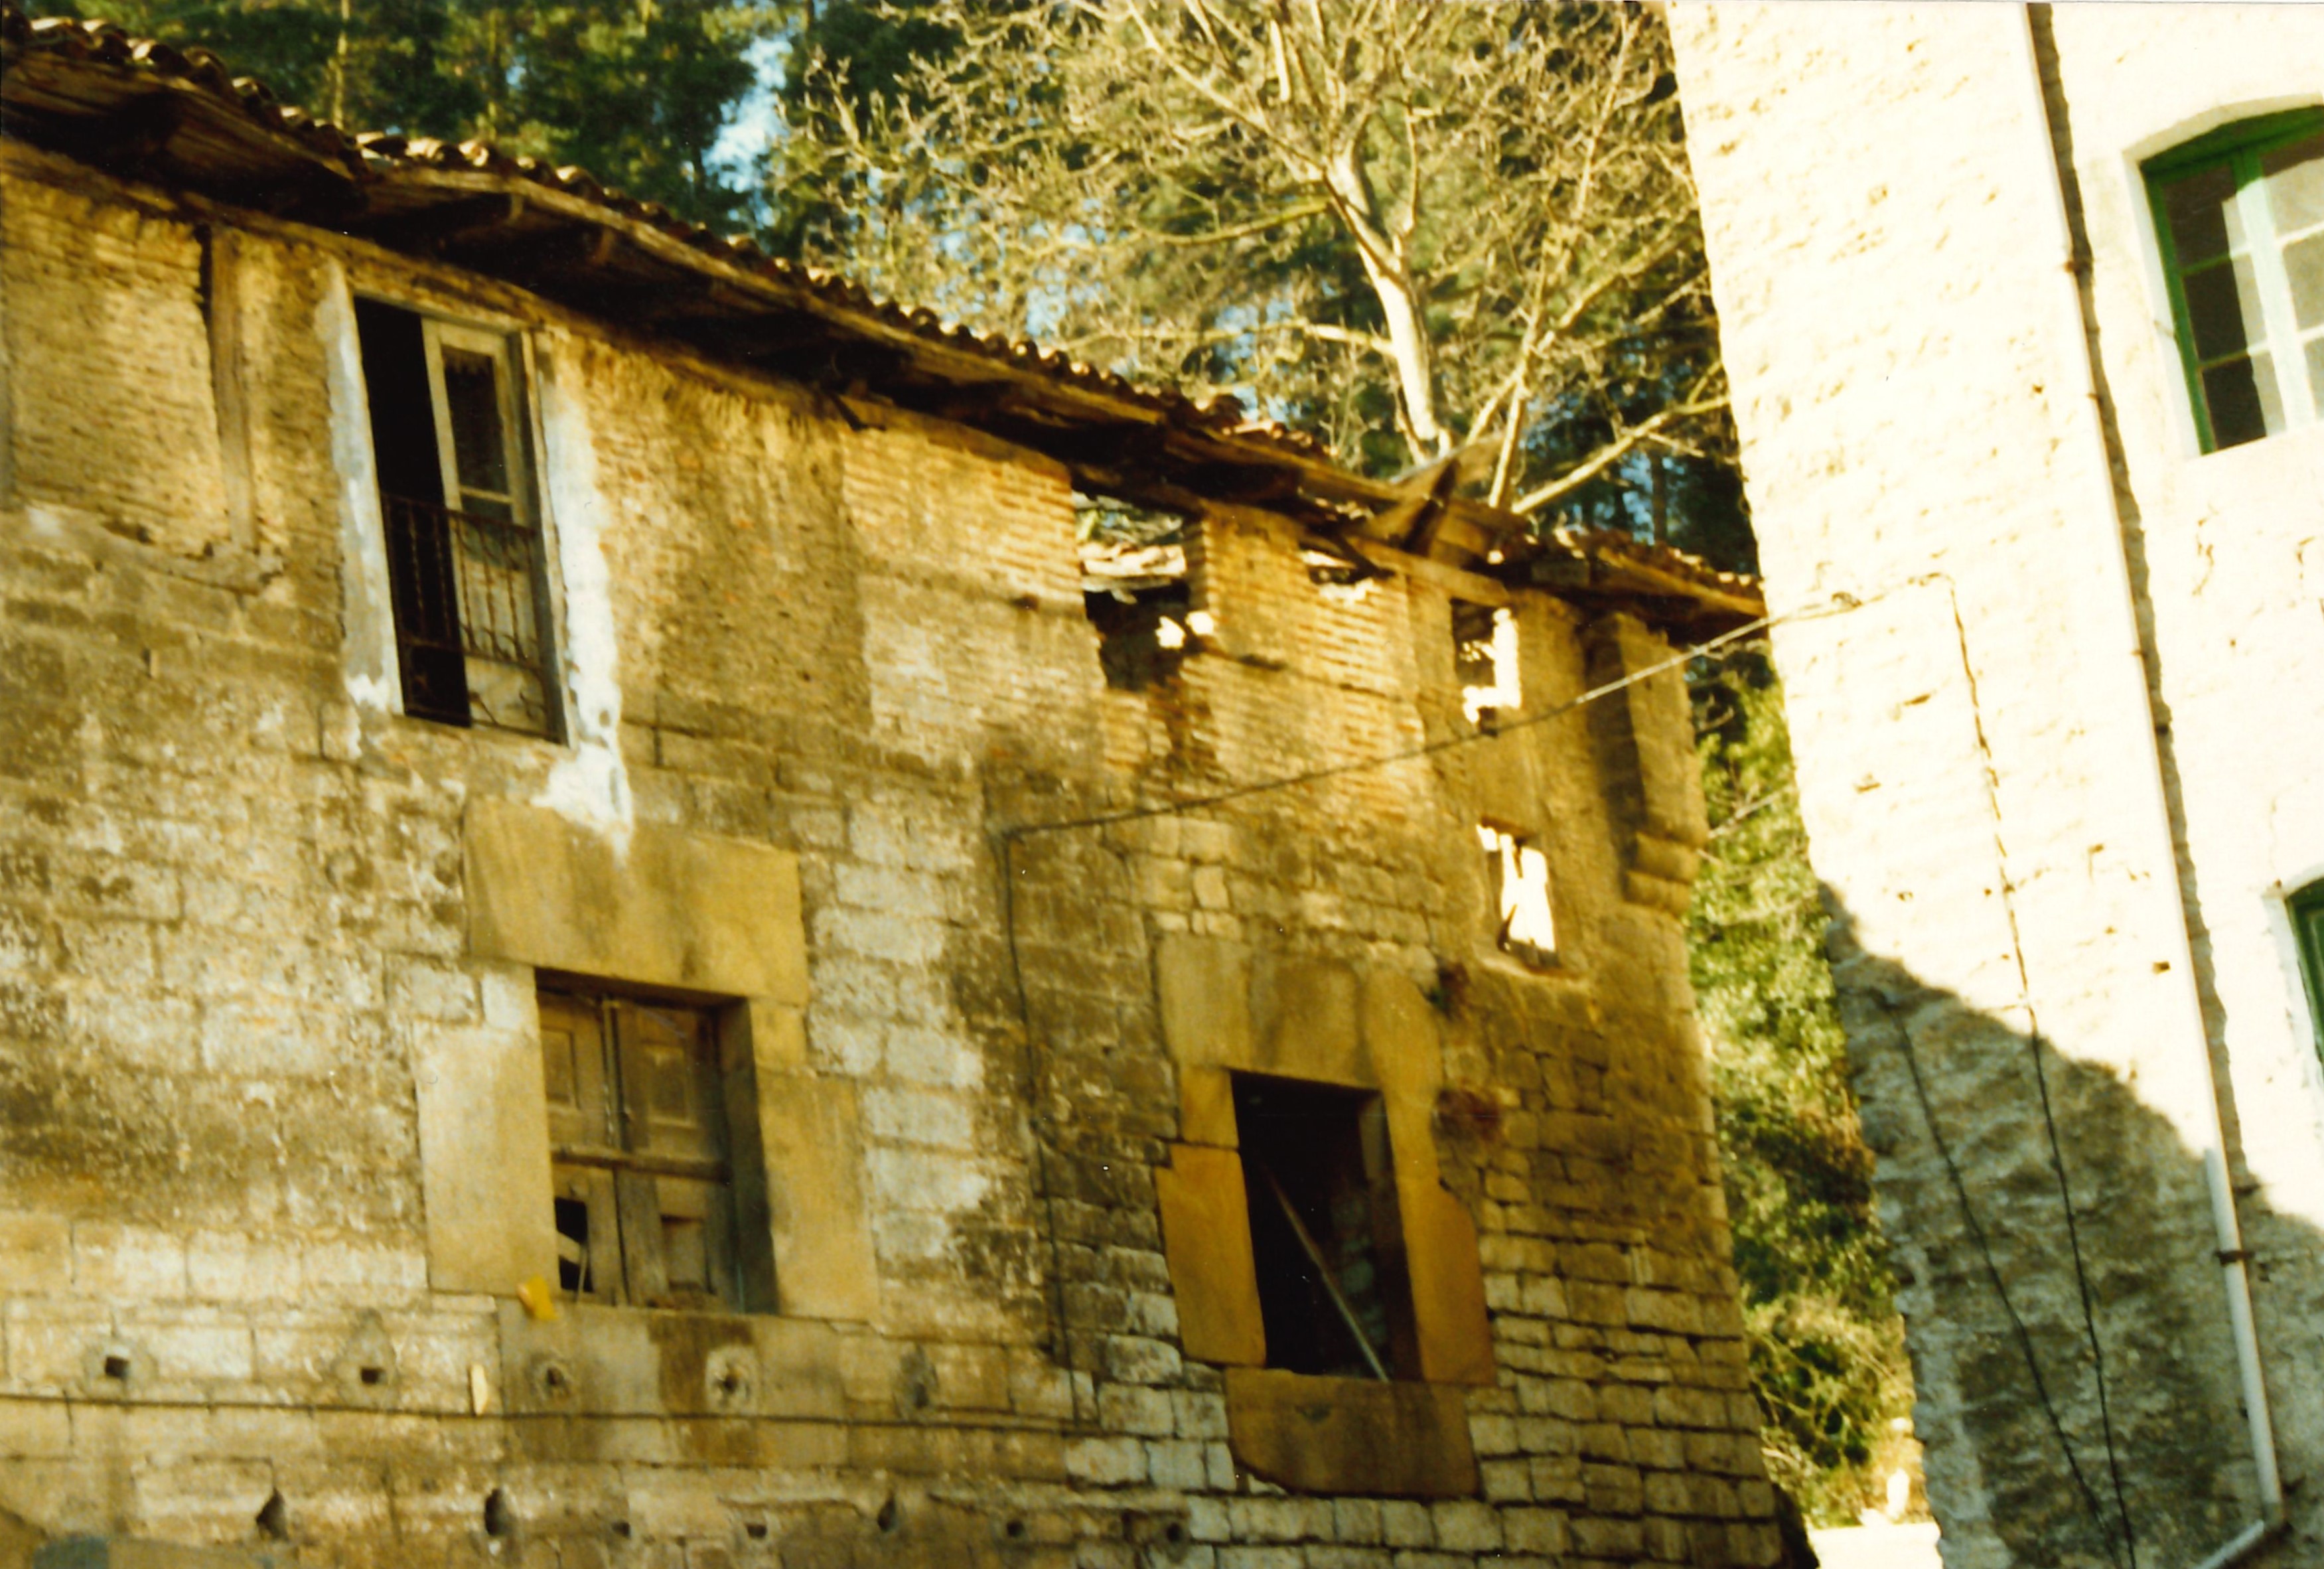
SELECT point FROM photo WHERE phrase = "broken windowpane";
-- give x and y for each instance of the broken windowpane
(1485, 660)
(643, 1194)
(1325, 1234)
(573, 1276)
(465, 563)
(1517, 873)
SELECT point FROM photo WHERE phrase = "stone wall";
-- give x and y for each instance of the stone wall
(1972, 692)
(268, 1043)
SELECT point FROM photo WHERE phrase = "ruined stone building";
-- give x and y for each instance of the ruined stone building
(610, 954)
(2022, 312)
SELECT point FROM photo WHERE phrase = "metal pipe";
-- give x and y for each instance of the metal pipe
(2112, 561)
(2252, 1538)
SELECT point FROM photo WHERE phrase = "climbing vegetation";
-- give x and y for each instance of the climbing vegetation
(1827, 1344)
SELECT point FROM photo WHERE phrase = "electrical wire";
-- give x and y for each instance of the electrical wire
(2041, 1083)
(2024, 1337)
(1428, 748)
(1006, 840)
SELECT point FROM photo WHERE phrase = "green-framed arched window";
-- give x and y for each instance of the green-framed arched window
(2240, 212)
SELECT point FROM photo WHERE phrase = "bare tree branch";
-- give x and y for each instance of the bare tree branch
(1407, 226)
(1611, 454)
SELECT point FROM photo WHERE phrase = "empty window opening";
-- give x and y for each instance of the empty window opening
(1326, 1233)
(1485, 660)
(643, 1190)
(1137, 589)
(466, 569)
(1516, 874)
(2240, 216)
(1342, 578)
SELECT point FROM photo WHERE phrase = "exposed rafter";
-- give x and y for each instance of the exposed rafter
(144, 111)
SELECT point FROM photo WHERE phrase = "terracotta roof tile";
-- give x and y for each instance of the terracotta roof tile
(82, 73)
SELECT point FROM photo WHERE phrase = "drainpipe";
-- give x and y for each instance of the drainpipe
(2112, 560)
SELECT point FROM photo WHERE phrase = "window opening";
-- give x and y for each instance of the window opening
(1516, 873)
(1326, 1236)
(1341, 575)
(1485, 660)
(2240, 216)
(466, 569)
(644, 1196)
(2307, 910)
(1137, 590)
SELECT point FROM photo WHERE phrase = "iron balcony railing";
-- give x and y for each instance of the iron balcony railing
(467, 588)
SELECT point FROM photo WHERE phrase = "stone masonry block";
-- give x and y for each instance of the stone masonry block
(483, 1142)
(1304, 1023)
(1106, 1462)
(1205, 992)
(127, 1262)
(1350, 1435)
(1206, 1236)
(35, 1252)
(677, 910)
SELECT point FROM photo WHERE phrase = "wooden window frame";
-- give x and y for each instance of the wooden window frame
(2239, 148)
(480, 561)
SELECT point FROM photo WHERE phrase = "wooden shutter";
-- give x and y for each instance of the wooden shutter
(638, 1127)
(583, 1140)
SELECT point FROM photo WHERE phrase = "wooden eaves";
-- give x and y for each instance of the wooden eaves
(146, 111)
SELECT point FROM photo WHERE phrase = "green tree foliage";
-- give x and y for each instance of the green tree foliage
(1827, 1345)
(637, 91)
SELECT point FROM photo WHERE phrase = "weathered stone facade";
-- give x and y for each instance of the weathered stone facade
(275, 1223)
(2049, 685)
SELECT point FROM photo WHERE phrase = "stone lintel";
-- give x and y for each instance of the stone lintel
(689, 911)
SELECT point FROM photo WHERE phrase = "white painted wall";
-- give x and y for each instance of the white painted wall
(1876, 182)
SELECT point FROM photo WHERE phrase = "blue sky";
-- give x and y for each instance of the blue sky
(756, 123)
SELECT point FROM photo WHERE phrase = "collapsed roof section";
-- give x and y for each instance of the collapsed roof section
(176, 118)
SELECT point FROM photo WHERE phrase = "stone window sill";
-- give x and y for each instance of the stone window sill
(1400, 1439)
